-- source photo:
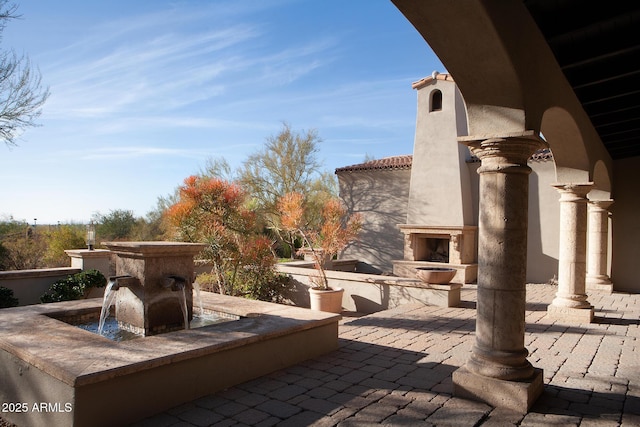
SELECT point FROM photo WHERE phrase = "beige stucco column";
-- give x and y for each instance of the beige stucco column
(498, 371)
(598, 238)
(570, 303)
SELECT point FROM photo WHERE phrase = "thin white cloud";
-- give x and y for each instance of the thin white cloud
(122, 80)
(137, 152)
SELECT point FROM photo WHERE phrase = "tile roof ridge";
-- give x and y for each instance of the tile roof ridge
(434, 76)
(392, 162)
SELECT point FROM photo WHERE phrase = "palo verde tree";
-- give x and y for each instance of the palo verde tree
(214, 212)
(21, 93)
(287, 163)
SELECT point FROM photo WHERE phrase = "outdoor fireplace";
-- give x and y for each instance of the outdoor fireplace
(453, 246)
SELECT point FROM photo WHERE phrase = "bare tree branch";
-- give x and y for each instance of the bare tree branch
(21, 93)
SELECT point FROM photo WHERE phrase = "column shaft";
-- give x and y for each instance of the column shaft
(498, 371)
(499, 350)
(571, 299)
(598, 239)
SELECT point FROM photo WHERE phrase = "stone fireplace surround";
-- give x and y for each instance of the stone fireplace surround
(439, 246)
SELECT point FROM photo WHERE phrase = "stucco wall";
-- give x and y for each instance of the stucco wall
(439, 196)
(626, 225)
(543, 243)
(29, 285)
(380, 196)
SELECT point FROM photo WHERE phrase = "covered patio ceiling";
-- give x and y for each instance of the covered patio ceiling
(598, 50)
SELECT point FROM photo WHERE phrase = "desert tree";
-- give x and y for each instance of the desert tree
(214, 212)
(118, 224)
(21, 93)
(288, 162)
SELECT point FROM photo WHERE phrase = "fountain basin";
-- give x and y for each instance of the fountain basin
(84, 379)
(435, 275)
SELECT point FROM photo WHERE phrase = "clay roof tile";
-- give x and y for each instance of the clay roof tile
(394, 162)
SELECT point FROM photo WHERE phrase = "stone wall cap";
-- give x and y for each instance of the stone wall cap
(87, 253)
(162, 248)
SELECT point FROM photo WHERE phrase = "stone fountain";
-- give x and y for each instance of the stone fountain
(55, 373)
(151, 278)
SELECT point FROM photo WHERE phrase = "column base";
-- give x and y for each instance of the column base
(518, 396)
(599, 284)
(570, 314)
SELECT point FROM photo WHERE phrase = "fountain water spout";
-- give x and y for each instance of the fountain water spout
(122, 280)
(175, 283)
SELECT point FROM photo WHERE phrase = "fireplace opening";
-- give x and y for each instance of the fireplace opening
(433, 249)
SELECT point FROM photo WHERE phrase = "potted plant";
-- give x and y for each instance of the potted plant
(334, 232)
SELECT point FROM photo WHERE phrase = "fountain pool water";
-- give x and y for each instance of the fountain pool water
(46, 360)
(109, 328)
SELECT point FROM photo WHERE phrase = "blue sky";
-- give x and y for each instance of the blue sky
(143, 92)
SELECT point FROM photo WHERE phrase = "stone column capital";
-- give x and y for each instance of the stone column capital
(504, 153)
(600, 204)
(573, 192)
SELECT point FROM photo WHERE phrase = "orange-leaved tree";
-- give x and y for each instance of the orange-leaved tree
(214, 212)
(334, 232)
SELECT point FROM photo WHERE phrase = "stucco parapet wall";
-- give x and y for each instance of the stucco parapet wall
(35, 273)
(306, 268)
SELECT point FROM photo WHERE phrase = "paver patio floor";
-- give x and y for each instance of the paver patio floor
(394, 368)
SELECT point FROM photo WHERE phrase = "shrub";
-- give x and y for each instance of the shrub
(74, 287)
(272, 287)
(334, 232)
(6, 298)
(217, 213)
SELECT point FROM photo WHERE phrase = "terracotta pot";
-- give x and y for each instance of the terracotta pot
(329, 300)
(436, 275)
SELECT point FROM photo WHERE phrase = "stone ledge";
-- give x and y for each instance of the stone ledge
(40, 272)
(518, 396)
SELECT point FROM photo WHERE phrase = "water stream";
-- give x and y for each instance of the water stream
(109, 297)
(108, 327)
(196, 287)
(182, 296)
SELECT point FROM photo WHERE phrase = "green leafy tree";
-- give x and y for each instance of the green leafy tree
(118, 224)
(21, 93)
(60, 238)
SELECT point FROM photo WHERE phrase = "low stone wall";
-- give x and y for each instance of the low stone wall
(29, 285)
(366, 293)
